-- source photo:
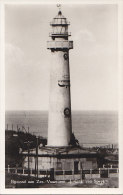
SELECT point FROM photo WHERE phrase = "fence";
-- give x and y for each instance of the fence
(66, 174)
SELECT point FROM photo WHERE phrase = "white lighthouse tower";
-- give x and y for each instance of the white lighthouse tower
(63, 158)
(59, 121)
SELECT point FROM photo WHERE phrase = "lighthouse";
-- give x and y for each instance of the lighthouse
(59, 119)
(63, 158)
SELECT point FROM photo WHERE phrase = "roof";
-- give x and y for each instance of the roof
(59, 19)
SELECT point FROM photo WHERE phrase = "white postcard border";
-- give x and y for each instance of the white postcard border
(2, 105)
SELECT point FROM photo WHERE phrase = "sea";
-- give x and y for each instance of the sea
(89, 127)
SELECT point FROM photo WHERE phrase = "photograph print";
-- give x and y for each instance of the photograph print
(61, 96)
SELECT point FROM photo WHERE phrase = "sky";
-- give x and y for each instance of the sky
(93, 61)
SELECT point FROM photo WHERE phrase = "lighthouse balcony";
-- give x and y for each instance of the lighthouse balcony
(60, 34)
(59, 44)
(60, 23)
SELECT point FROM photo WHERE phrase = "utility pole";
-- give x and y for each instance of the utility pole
(37, 155)
(28, 146)
(28, 160)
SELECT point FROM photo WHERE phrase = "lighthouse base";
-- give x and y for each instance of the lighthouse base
(66, 163)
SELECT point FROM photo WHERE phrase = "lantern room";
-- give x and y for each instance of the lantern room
(59, 27)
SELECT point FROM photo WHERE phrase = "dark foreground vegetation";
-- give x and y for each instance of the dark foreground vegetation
(16, 142)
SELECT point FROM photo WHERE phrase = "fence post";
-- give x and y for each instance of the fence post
(23, 171)
(8, 169)
(81, 175)
(73, 174)
(16, 170)
(100, 172)
(31, 171)
(63, 174)
(108, 173)
(91, 173)
(54, 174)
(35, 166)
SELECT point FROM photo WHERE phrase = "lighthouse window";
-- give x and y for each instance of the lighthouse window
(65, 56)
(67, 112)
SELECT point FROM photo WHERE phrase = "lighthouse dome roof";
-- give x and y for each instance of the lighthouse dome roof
(59, 15)
(59, 19)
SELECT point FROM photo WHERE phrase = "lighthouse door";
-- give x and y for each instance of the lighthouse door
(76, 167)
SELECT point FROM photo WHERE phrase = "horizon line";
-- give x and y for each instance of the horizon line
(71, 110)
